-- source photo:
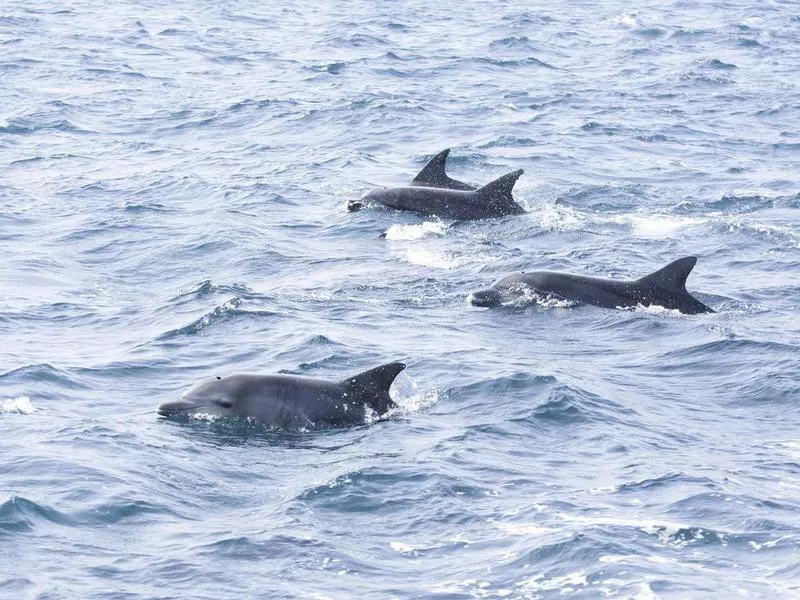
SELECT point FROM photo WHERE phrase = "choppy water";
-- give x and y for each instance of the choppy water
(172, 205)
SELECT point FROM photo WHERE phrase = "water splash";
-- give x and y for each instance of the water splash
(399, 232)
(21, 405)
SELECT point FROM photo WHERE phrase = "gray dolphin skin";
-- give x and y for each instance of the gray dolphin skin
(665, 287)
(291, 401)
(433, 175)
(492, 200)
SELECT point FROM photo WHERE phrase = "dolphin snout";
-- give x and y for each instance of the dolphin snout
(368, 199)
(169, 409)
(485, 298)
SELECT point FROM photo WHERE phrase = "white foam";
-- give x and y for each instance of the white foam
(653, 309)
(21, 405)
(525, 529)
(628, 21)
(413, 400)
(435, 259)
(399, 232)
(655, 225)
(752, 21)
(660, 226)
(402, 547)
(419, 400)
(521, 295)
(792, 448)
(199, 416)
(566, 584)
(560, 218)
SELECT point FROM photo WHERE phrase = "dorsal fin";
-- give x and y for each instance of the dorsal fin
(499, 193)
(433, 174)
(373, 386)
(672, 277)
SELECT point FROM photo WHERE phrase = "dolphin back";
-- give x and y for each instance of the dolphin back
(433, 175)
(372, 387)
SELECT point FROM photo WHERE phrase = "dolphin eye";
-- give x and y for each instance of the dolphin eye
(223, 403)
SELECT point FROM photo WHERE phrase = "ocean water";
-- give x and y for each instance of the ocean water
(173, 198)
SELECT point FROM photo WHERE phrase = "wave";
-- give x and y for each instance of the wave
(605, 199)
(366, 490)
(786, 236)
(39, 123)
(42, 373)
(120, 510)
(229, 309)
(567, 405)
(740, 347)
(18, 514)
(657, 483)
(248, 548)
(208, 288)
(510, 62)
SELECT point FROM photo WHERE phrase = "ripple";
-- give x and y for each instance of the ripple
(568, 405)
(739, 204)
(230, 309)
(664, 481)
(510, 62)
(375, 490)
(120, 510)
(208, 288)
(18, 514)
(715, 63)
(42, 373)
(249, 549)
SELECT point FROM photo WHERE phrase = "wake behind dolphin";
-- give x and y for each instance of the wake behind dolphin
(665, 287)
(291, 401)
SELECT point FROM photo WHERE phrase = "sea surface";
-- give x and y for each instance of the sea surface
(174, 179)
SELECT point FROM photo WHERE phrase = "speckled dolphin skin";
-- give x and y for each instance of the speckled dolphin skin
(495, 199)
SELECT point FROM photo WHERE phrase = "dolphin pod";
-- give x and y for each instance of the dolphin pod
(296, 402)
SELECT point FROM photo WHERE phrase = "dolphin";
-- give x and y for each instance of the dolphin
(665, 287)
(492, 200)
(291, 401)
(433, 175)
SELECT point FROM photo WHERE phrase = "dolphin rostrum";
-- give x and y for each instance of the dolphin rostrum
(665, 287)
(291, 401)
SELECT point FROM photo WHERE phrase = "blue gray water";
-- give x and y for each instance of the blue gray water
(173, 205)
